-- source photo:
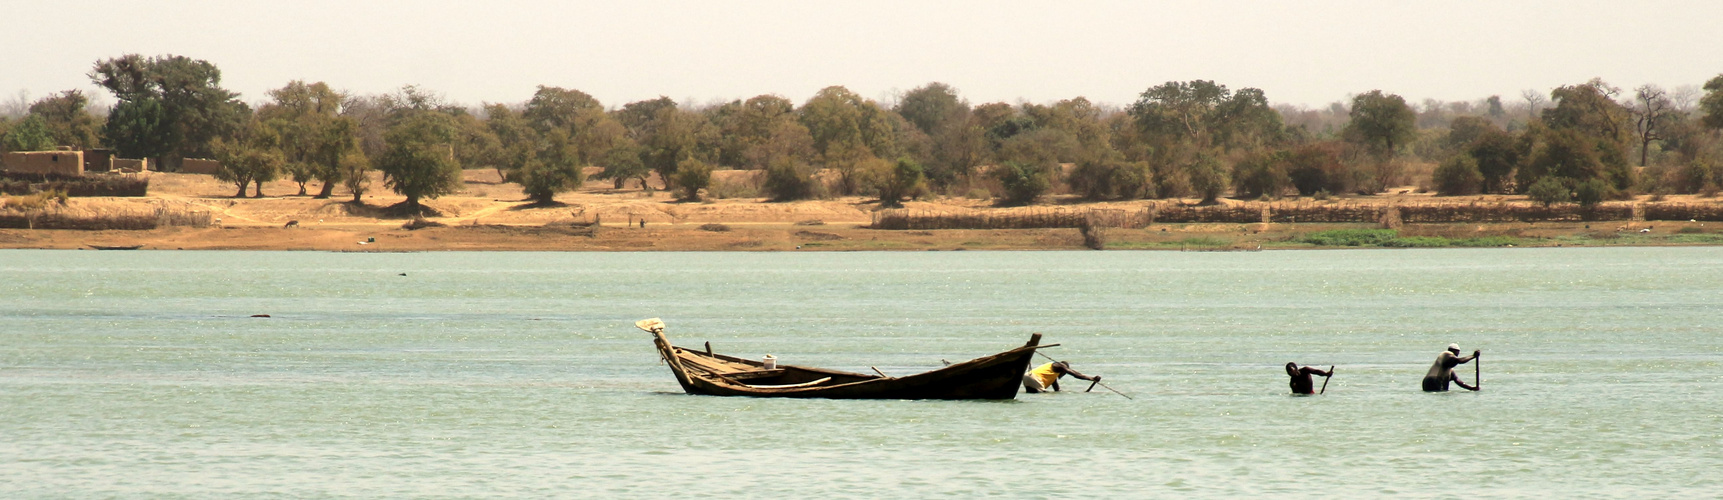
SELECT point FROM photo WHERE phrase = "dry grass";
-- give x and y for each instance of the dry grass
(62, 217)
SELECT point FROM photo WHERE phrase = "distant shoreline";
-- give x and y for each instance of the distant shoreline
(489, 215)
(767, 237)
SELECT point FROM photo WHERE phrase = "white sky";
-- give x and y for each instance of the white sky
(1301, 52)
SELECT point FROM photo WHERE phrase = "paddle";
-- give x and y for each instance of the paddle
(1325, 379)
(1092, 385)
(1478, 372)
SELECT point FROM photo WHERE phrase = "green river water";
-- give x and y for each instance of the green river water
(140, 374)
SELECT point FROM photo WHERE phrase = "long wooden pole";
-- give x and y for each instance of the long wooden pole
(1478, 371)
(1110, 388)
(1325, 379)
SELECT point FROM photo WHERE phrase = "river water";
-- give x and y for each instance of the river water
(137, 374)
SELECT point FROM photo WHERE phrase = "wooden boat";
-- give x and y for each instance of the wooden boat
(704, 372)
(108, 247)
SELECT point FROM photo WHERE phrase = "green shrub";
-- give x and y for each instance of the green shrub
(1350, 237)
(692, 176)
(1549, 191)
(788, 180)
(1024, 182)
(1458, 176)
(1592, 192)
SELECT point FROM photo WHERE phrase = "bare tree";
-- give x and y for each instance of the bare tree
(1534, 99)
(1651, 110)
(1685, 98)
(17, 106)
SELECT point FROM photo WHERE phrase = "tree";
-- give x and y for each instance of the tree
(846, 129)
(553, 168)
(139, 129)
(590, 130)
(194, 108)
(1208, 178)
(1465, 130)
(314, 135)
(30, 134)
(1181, 127)
(1318, 167)
(1261, 174)
(354, 174)
(512, 133)
(1565, 154)
(1652, 113)
(69, 123)
(788, 140)
(904, 180)
(667, 135)
(1381, 123)
(1112, 179)
(1458, 176)
(789, 180)
(1534, 100)
(253, 156)
(1203, 114)
(693, 176)
(1589, 112)
(1023, 182)
(1712, 103)
(1497, 154)
(622, 163)
(749, 128)
(419, 160)
(931, 107)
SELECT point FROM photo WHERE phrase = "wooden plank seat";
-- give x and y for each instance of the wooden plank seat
(792, 386)
(751, 374)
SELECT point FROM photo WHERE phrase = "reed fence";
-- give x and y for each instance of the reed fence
(1509, 212)
(1176, 213)
(1683, 211)
(1012, 219)
(1326, 213)
(1249, 213)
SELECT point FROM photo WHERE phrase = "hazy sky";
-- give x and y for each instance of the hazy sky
(1299, 52)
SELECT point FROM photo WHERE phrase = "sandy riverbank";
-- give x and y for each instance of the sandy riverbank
(490, 215)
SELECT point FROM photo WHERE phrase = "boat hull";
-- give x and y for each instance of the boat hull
(991, 377)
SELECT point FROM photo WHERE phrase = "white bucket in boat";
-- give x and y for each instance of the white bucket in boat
(770, 362)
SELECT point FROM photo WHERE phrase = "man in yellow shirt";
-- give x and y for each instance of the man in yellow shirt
(1046, 377)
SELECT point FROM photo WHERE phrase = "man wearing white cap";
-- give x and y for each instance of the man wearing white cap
(1442, 371)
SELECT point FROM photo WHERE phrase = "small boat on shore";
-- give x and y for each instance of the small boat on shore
(705, 372)
(112, 247)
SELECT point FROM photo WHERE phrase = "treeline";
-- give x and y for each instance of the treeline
(1583, 143)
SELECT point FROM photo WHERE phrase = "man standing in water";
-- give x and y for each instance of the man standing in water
(1047, 376)
(1442, 371)
(1301, 382)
